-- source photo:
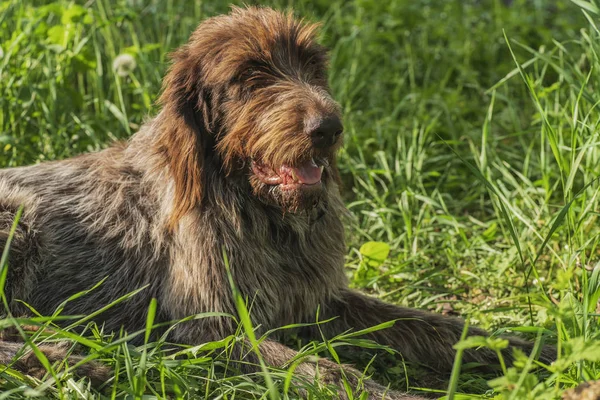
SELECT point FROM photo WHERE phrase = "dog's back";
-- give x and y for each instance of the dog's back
(84, 220)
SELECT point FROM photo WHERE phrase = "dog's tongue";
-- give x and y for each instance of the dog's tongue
(308, 173)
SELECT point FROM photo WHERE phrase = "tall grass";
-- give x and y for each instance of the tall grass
(470, 169)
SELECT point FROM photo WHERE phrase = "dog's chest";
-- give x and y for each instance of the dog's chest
(284, 271)
(291, 275)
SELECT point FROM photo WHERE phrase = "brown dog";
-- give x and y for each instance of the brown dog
(240, 160)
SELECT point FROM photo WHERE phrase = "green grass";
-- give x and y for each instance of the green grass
(471, 169)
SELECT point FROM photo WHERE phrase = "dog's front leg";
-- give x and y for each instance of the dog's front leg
(276, 355)
(419, 336)
(327, 372)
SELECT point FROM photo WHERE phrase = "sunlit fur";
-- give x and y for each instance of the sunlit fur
(161, 210)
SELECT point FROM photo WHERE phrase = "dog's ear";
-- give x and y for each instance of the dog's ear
(185, 131)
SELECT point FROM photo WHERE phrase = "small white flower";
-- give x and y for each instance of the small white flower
(541, 280)
(124, 64)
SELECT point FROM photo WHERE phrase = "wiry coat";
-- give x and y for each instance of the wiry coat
(106, 216)
(161, 210)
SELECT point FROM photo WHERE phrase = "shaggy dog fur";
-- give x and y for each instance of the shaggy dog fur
(240, 160)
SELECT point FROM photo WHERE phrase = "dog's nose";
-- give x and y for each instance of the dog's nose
(325, 131)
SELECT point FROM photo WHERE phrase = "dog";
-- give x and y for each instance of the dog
(241, 162)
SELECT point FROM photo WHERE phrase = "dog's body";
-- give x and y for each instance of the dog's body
(240, 161)
(105, 215)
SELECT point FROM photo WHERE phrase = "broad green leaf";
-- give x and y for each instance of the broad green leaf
(375, 253)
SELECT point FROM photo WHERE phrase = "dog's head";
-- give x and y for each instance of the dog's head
(248, 95)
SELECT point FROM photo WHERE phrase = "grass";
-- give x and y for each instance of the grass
(471, 170)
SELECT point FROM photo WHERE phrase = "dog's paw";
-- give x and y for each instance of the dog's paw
(585, 391)
(29, 364)
(345, 378)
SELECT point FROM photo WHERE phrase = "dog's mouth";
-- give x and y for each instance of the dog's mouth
(305, 175)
